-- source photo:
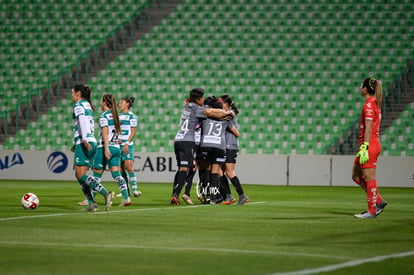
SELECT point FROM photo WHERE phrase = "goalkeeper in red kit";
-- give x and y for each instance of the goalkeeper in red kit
(365, 163)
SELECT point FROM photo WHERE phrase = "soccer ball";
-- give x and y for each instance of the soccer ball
(30, 201)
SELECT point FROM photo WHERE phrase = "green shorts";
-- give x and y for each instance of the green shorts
(130, 155)
(84, 157)
(100, 162)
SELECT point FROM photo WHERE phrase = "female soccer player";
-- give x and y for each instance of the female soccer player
(193, 168)
(128, 130)
(232, 150)
(184, 143)
(85, 146)
(213, 146)
(365, 163)
(109, 150)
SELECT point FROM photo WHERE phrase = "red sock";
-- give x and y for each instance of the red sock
(379, 198)
(361, 183)
(372, 195)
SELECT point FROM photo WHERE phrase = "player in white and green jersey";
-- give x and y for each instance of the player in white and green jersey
(85, 146)
(109, 150)
(128, 130)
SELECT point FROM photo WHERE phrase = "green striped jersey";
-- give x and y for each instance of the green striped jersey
(83, 114)
(106, 120)
(128, 121)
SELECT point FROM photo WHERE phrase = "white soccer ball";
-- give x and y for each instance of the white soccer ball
(30, 201)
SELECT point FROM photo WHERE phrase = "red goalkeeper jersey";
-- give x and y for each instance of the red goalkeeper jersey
(370, 111)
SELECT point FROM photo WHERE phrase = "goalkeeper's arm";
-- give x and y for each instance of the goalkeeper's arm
(363, 149)
(368, 130)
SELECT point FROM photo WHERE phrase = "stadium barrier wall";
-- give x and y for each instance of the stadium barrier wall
(292, 170)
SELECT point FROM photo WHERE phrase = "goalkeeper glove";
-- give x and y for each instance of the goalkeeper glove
(363, 153)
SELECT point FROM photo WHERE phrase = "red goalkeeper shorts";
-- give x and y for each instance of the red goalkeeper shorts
(374, 151)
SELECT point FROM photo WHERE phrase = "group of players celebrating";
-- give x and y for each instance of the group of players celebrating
(207, 141)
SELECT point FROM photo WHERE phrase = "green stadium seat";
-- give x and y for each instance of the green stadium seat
(267, 55)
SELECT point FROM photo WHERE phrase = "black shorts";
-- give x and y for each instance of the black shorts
(231, 155)
(198, 155)
(184, 153)
(213, 155)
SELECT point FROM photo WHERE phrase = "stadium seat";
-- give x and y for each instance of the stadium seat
(248, 50)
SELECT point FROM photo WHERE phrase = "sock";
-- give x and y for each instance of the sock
(202, 178)
(214, 187)
(133, 180)
(179, 184)
(362, 184)
(224, 186)
(372, 195)
(175, 179)
(207, 182)
(94, 184)
(123, 188)
(99, 176)
(379, 198)
(125, 176)
(236, 183)
(189, 182)
(87, 192)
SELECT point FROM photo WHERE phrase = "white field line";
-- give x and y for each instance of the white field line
(166, 248)
(51, 244)
(352, 263)
(109, 212)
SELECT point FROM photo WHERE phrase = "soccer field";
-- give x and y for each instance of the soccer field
(282, 230)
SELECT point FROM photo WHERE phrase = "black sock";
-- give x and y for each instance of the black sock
(202, 179)
(214, 187)
(207, 182)
(189, 181)
(175, 178)
(179, 184)
(224, 186)
(236, 183)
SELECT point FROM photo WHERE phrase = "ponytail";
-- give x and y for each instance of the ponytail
(227, 99)
(130, 100)
(234, 108)
(374, 88)
(110, 101)
(85, 92)
(378, 93)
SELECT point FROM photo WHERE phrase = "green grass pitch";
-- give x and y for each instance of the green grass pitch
(282, 230)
